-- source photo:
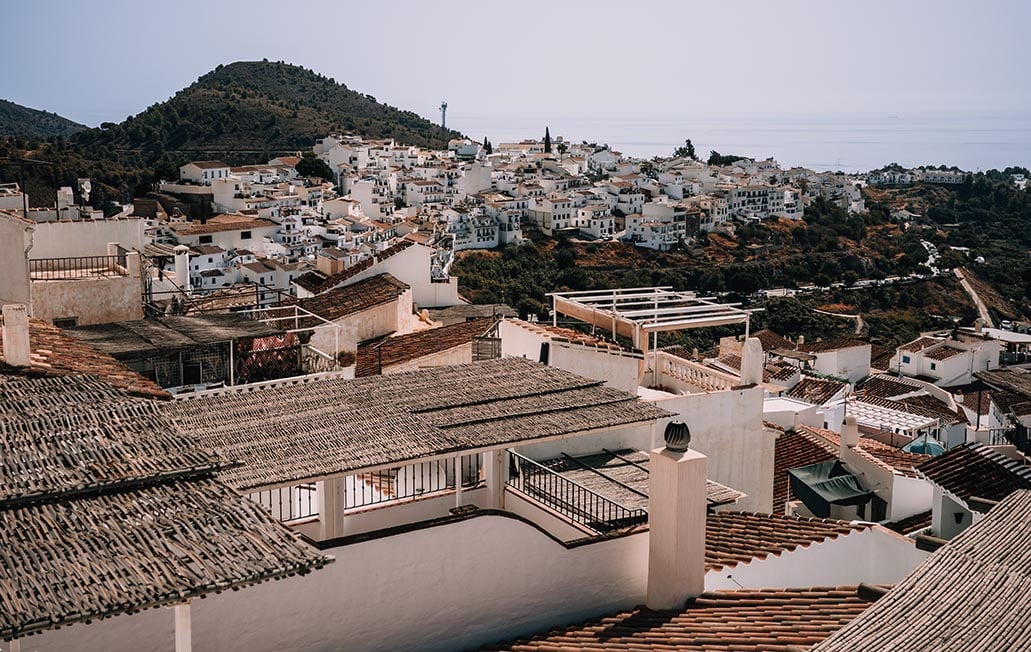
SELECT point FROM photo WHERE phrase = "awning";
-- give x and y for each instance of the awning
(827, 483)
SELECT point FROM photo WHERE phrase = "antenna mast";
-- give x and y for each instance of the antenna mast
(443, 122)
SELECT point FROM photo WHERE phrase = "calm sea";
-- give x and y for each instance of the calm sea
(849, 144)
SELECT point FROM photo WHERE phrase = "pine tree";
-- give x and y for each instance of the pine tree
(547, 141)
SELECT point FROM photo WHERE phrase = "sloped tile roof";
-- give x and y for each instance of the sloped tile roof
(793, 449)
(884, 454)
(830, 345)
(317, 282)
(761, 620)
(971, 595)
(883, 386)
(816, 391)
(976, 470)
(348, 300)
(920, 344)
(735, 537)
(390, 351)
(296, 431)
(911, 524)
(107, 508)
(55, 353)
(771, 340)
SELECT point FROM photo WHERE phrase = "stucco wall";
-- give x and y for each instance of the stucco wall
(92, 300)
(727, 427)
(15, 237)
(874, 556)
(443, 588)
(86, 238)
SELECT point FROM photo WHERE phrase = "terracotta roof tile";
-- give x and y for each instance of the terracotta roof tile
(390, 351)
(348, 300)
(830, 345)
(716, 621)
(976, 470)
(919, 344)
(771, 340)
(792, 450)
(911, 524)
(54, 353)
(816, 390)
(317, 282)
(735, 537)
(894, 458)
(943, 353)
(885, 387)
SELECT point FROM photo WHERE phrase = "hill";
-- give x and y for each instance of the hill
(261, 105)
(240, 113)
(22, 122)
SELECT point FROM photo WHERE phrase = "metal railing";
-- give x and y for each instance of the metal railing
(411, 481)
(1001, 436)
(571, 499)
(56, 269)
(290, 503)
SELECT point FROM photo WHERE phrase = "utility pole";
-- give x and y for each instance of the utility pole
(443, 122)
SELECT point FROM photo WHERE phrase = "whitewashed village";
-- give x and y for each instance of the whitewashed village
(254, 411)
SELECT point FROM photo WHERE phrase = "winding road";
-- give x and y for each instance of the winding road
(982, 310)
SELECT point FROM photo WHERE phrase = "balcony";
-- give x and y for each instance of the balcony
(80, 267)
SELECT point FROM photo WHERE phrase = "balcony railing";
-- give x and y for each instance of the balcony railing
(411, 481)
(57, 269)
(290, 503)
(571, 499)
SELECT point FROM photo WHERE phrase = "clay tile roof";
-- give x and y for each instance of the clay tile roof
(735, 537)
(390, 351)
(747, 620)
(911, 524)
(793, 449)
(778, 371)
(348, 300)
(771, 340)
(215, 226)
(884, 454)
(886, 387)
(976, 470)
(54, 353)
(816, 391)
(98, 484)
(919, 344)
(972, 594)
(317, 282)
(942, 353)
(330, 426)
(830, 345)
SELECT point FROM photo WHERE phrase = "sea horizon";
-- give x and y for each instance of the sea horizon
(849, 143)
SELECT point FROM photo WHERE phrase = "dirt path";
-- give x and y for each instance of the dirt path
(982, 310)
(860, 324)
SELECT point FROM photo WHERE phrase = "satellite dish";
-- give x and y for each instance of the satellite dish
(84, 189)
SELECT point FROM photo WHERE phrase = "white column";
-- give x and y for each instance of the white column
(17, 350)
(752, 362)
(183, 633)
(494, 475)
(14, 646)
(331, 508)
(676, 524)
(458, 480)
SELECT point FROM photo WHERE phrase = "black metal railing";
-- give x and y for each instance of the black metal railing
(411, 481)
(290, 503)
(571, 499)
(55, 269)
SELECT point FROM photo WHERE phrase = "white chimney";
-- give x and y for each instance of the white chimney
(752, 362)
(676, 521)
(16, 335)
(182, 267)
(801, 340)
(849, 435)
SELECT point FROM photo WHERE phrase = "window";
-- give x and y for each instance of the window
(66, 322)
(191, 373)
(205, 239)
(905, 359)
(933, 366)
(245, 235)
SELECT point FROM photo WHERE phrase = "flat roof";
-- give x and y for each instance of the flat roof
(166, 334)
(630, 311)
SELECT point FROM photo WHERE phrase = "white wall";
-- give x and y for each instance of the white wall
(85, 238)
(873, 556)
(442, 588)
(727, 426)
(852, 363)
(15, 238)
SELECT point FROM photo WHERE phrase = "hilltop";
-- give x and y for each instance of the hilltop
(239, 113)
(19, 121)
(261, 105)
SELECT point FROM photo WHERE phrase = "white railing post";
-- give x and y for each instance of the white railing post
(183, 628)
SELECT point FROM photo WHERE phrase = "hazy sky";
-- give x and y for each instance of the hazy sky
(95, 61)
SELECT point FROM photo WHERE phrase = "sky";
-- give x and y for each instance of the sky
(557, 62)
